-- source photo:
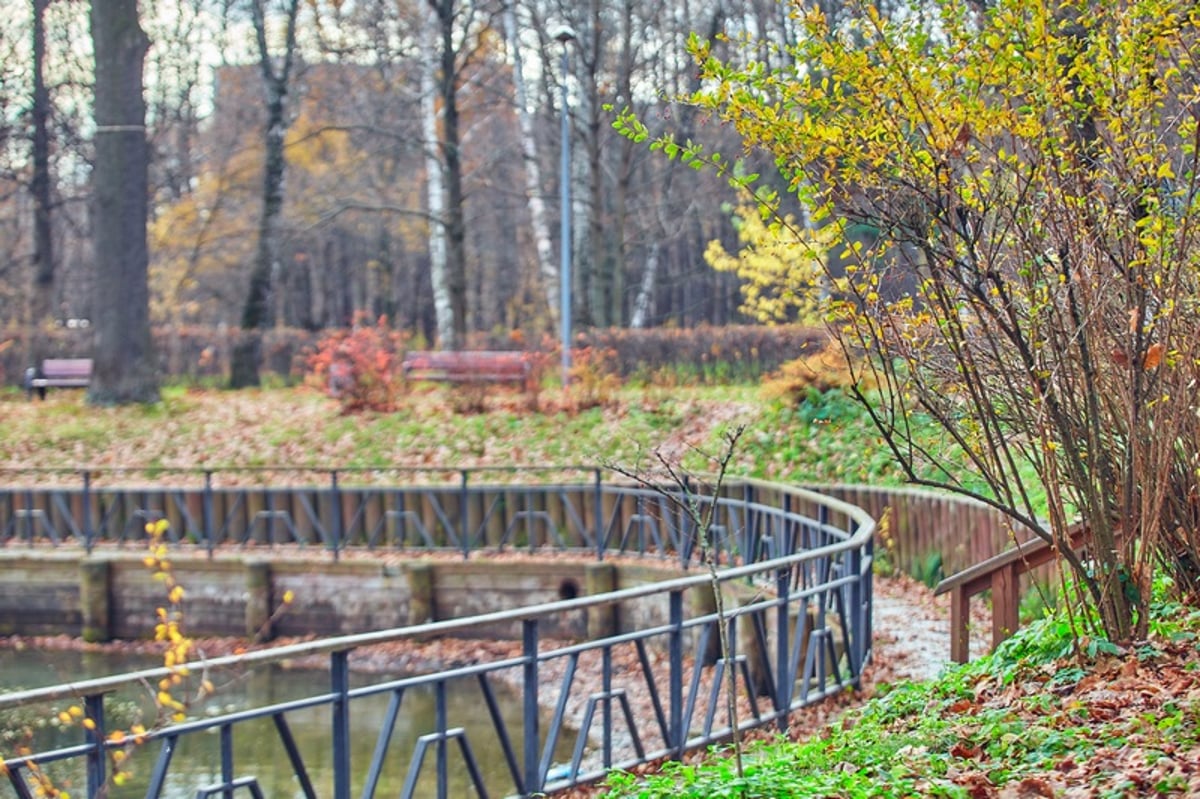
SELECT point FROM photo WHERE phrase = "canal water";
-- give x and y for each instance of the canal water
(258, 750)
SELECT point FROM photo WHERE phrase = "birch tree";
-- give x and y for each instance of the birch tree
(439, 268)
(547, 269)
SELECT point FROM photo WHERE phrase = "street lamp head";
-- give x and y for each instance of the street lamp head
(563, 34)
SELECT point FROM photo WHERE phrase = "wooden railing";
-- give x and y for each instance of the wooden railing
(916, 524)
(1002, 576)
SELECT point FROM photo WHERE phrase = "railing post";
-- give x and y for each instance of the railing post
(88, 533)
(440, 720)
(462, 514)
(531, 710)
(753, 527)
(783, 647)
(857, 620)
(675, 658)
(339, 674)
(225, 746)
(206, 513)
(335, 497)
(606, 670)
(869, 598)
(601, 529)
(94, 709)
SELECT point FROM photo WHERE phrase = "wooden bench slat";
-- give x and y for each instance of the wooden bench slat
(489, 366)
(59, 373)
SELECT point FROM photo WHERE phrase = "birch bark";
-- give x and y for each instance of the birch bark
(547, 270)
(434, 181)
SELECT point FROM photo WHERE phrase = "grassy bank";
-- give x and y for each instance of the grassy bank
(829, 441)
(1038, 718)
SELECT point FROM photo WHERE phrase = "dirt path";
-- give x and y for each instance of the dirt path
(912, 630)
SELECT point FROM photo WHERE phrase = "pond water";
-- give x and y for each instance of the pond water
(258, 751)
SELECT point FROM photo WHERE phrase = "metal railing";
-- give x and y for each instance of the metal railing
(796, 567)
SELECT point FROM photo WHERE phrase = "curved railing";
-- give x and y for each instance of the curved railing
(794, 567)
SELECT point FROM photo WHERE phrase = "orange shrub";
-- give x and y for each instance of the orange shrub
(360, 367)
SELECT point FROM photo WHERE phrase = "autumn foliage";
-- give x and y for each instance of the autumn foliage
(779, 263)
(360, 367)
(1013, 190)
(821, 368)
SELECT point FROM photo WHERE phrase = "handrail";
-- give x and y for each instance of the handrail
(450, 627)
(804, 635)
(1001, 575)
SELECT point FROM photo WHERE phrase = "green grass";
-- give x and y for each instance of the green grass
(828, 438)
(1025, 715)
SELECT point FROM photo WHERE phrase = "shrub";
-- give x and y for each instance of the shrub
(359, 367)
(594, 380)
(823, 369)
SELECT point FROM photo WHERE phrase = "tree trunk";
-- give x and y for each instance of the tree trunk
(41, 310)
(456, 253)
(434, 185)
(259, 311)
(595, 275)
(124, 369)
(547, 270)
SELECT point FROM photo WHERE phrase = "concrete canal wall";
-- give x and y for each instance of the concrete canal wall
(113, 594)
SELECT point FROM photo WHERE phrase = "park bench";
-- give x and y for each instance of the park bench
(476, 366)
(58, 373)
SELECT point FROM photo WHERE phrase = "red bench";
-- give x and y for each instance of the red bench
(475, 366)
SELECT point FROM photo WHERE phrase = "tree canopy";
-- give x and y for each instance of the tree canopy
(1027, 176)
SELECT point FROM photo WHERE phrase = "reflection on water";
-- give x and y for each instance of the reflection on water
(257, 746)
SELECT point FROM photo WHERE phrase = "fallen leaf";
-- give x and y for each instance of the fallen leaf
(1033, 786)
(1153, 356)
(965, 750)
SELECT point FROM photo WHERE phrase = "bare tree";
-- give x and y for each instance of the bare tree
(259, 311)
(698, 497)
(547, 269)
(41, 189)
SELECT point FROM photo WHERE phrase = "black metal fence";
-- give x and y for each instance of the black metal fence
(794, 565)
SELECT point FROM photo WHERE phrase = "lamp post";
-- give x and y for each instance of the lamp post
(565, 36)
